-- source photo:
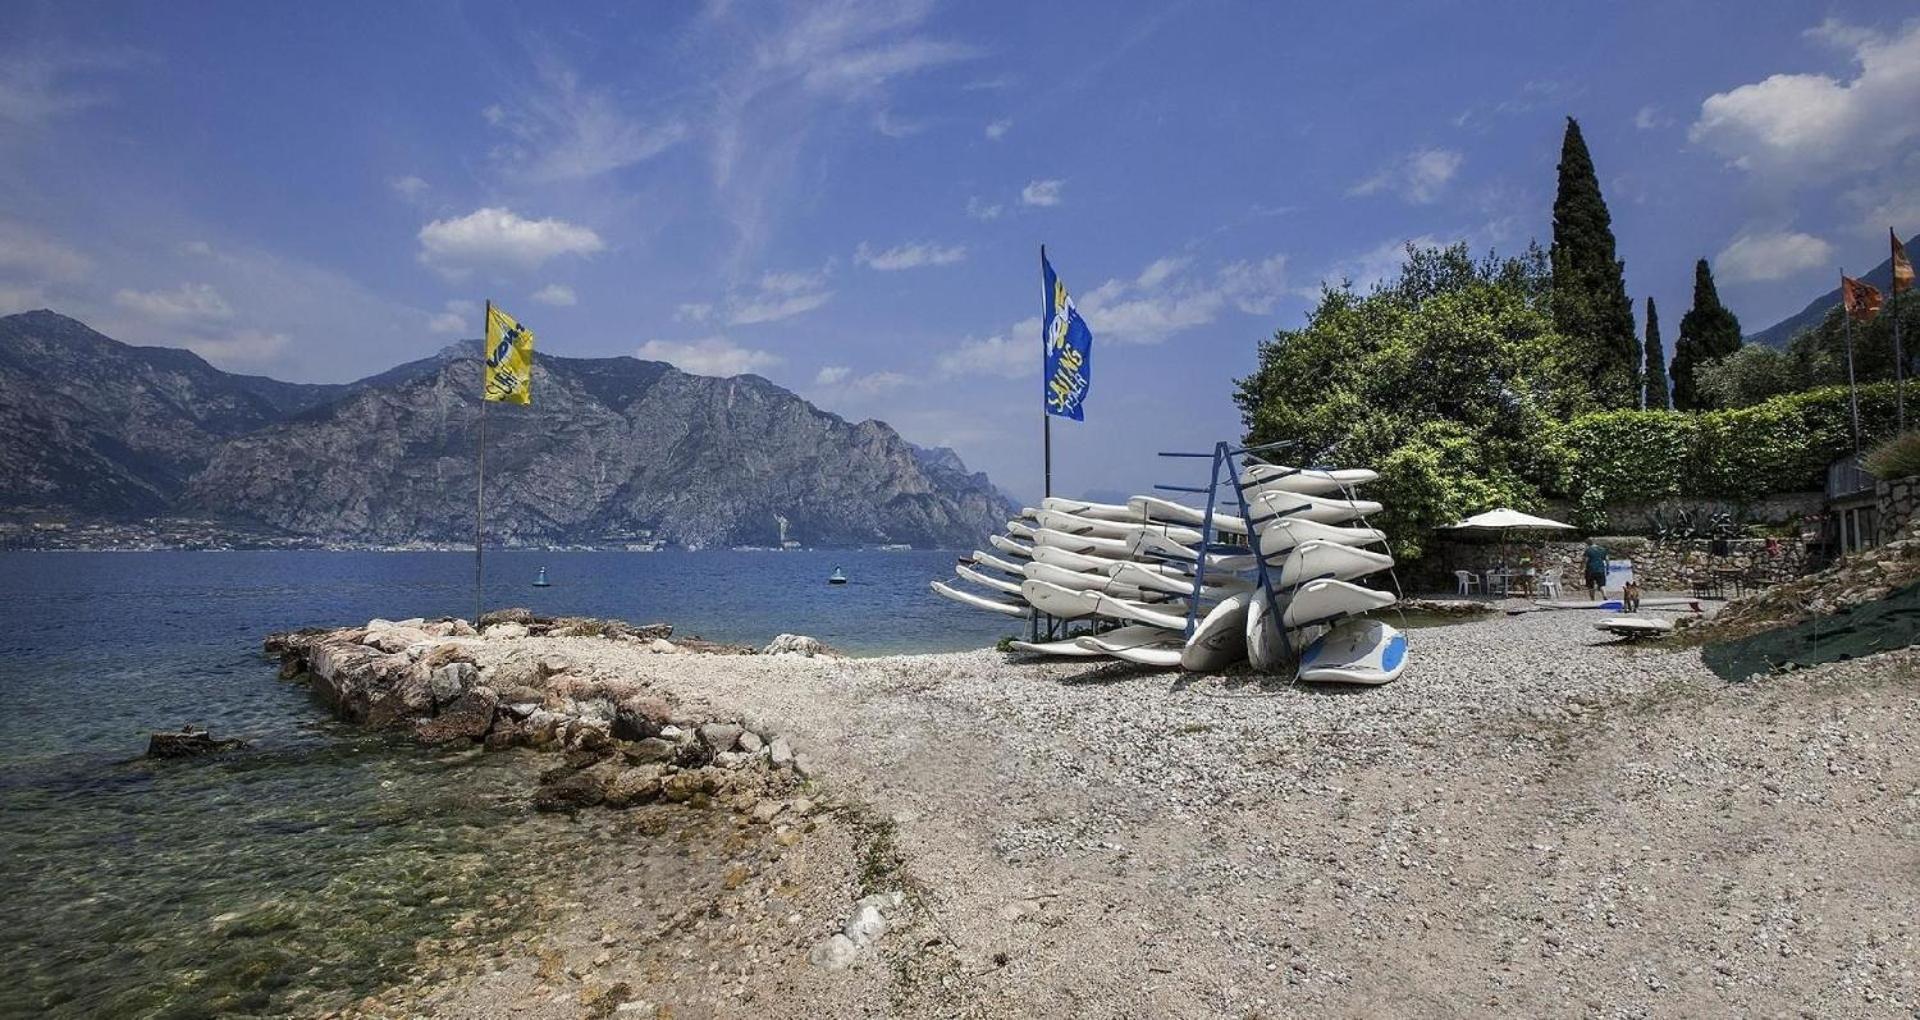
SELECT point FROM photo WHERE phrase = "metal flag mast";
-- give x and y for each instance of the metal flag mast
(1853, 392)
(1899, 352)
(1046, 419)
(480, 493)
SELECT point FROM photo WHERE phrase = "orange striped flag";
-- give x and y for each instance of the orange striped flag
(1902, 269)
(1862, 300)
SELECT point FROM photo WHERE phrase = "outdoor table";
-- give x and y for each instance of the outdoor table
(1505, 580)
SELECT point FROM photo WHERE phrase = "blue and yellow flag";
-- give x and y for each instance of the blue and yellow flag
(1068, 349)
(509, 354)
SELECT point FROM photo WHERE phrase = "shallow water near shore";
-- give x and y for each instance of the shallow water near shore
(307, 870)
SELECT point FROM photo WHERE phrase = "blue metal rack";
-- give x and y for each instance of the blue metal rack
(1223, 458)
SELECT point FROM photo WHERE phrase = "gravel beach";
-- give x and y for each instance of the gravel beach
(1534, 820)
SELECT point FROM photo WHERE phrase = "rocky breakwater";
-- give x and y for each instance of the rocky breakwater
(621, 741)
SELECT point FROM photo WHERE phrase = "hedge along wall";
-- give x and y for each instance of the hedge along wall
(1780, 445)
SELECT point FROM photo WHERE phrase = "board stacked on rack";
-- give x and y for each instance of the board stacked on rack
(1166, 584)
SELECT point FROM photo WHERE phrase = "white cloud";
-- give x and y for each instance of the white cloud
(186, 305)
(887, 124)
(863, 69)
(1649, 118)
(1042, 192)
(714, 355)
(21, 298)
(556, 294)
(197, 249)
(562, 130)
(39, 87)
(999, 128)
(245, 348)
(996, 355)
(840, 380)
(909, 256)
(498, 237)
(983, 210)
(832, 375)
(40, 259)
(456, 316)
(1371, 267)
(1798, 129)
(780, 295)
(1418, 177)
(693, 312)
(1169, 297)
(408, 187)
(1757, 257)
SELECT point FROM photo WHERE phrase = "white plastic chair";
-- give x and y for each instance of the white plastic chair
(1468, 582)
(1550, 585)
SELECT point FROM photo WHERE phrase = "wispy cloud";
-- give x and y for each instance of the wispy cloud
(714, 355)
(48, 85)
(983, 210)
(839, 380)
(999, 128)
(500, 237)
(1771, 255)
(560, 129)
(186, 305)
(27, 254)
(1418, 177)
(1169, 297)
(556, 294)
(1043, 192)
(909, 256)
(455, 317)
(998, 355)
(780, 295)
(893, 126)
(409, 187)
(1650, 118)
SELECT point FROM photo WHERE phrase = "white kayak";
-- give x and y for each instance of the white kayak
(1167, 510)
(1326, 601)
(1221, 639)
(1010, 547)
(1315, 560)
(1176, 582)
(1074, 580)
(1324, 509)
(1355, 652)
(1281, 535)
(1076, 525)
(989, 560)
(986, 580)
(1314, 481)
(1266, 646)
(1069, 604)
(1072, 560)
(1635, 626)
(1097, 511)
(1148, 545)
(980, 601)
(1089, 545)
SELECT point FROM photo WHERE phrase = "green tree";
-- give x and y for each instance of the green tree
(1747, 377)
(1707, 331)
(1445, 380)
(1656, 367)
(1590, 305)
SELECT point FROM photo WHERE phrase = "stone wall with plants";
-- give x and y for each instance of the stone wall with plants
(1898, 499)
(1659, 566)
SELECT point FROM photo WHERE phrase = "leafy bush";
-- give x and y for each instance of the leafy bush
(1898, 457)
(1778, 445)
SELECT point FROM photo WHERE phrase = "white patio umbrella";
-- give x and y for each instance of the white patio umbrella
(1504, 521)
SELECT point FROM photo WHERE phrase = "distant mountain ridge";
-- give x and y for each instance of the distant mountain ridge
(613, 450)
(1780, 333)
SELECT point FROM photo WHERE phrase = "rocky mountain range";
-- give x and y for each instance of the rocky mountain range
(612, 450)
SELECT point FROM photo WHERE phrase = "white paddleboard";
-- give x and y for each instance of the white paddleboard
(1635, 626)
(1176, 582)
(1010, 547)
(1089, 545)
(1075, 525)
(1133, 636)
(1167, 510)
(1323, 509)
(979, 601)
(1072, 560)
(1313, 481)
(1326, 601)
(1097, 511)
(1062, 602)
(1020, 529)
(989, 560)
(1281, 535)
(1355, 652)
(1146, 546)
(1164, 656)
(1070, 646)
(986, 580)
(1221, 639)
(1315, 560)
(1266, 649)
(1074, 580)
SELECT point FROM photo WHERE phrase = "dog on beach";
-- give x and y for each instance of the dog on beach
(1630, 597)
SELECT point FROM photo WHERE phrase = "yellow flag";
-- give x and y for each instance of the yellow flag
(509, 354)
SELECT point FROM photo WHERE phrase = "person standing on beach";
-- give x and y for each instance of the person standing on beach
(1596, 557)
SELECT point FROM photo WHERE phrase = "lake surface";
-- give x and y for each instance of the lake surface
(302, 872)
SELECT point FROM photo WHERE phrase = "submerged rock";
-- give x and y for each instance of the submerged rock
(188, 742)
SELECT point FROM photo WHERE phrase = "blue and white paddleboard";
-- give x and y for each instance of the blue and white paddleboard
(1635, 626)
(1356, 651)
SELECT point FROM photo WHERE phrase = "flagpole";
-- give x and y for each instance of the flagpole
(1046, 420)
(1853, 392)
(480, 488)
(1899, 352)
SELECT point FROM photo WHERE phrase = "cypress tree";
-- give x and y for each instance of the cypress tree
(1708, 331)
(1590, 304)
(1656, 370)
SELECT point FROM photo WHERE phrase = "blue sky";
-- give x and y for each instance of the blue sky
(848, 197)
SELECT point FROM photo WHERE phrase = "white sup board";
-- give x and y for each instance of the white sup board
(1326, 601)
(1323, 509)
(980, 601)
(1010, 547)
(1175, 582)
(1074, 580)
(1076, 525)
(1132, 636)
(1266, 648)
(1068, 604)
(1149, 546)
(1089, 545)
(1313, 481)
(1167, 510)
(1221, 639)
(1070, 646)
(1164, 656)
(1020, 529)
(1072, 560)
(1632, 627)
(989, 560)
(986, 580)
(1281, 535)
(1355, 652)
(1315, 560)
(1097, 511)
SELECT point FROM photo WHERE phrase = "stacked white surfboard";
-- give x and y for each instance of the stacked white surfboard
(1136, 565)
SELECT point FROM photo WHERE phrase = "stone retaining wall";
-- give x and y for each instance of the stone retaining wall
(1636, 518)
(1898, 499)
(1660, 566)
